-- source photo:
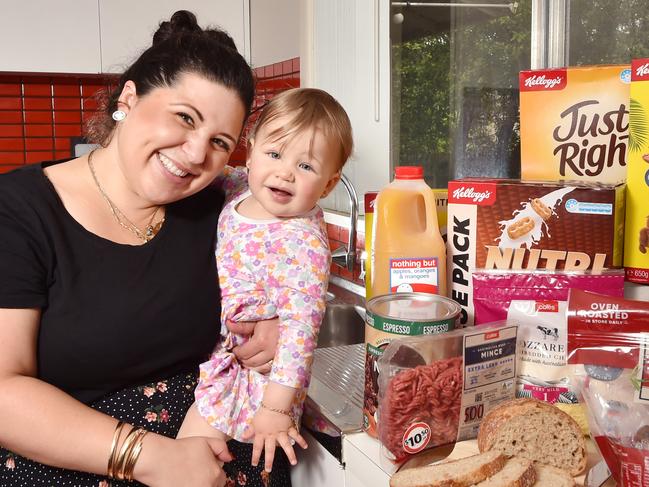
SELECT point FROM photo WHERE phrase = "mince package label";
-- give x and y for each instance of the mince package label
(512, 224)
(575, 123)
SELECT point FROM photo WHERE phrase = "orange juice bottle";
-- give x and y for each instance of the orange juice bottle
(408, 252)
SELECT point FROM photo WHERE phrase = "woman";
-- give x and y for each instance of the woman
(108, 291)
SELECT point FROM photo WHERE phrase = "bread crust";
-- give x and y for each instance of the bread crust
(464, 478)
(504, 412)
(526, 479)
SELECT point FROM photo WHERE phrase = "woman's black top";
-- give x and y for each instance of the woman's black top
(113, 315)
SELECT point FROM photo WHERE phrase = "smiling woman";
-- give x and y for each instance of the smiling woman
(103, 320)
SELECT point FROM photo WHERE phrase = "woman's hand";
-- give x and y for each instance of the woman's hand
(192, 462)
(258, 352)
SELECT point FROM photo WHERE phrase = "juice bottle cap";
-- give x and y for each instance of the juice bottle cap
(409, 172)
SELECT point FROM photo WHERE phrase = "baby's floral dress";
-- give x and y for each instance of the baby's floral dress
(270, 268)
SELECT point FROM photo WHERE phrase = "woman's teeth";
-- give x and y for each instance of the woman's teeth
(171, 167)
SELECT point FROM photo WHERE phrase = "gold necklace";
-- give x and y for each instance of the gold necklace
(150, 230)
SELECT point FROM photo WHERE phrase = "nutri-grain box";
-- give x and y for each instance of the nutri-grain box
(636, 241)
(574, 123)
(513, 224)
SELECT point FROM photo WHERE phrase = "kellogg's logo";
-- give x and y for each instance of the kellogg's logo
(549, 80)
(640, 70)
(471, 192)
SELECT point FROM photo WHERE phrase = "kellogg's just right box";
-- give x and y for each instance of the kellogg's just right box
(574, 123)
(636, 240)
(513, 224)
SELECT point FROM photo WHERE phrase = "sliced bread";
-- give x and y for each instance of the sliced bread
(547, 476)
(457, 473)
(517, 472)
(535, 430)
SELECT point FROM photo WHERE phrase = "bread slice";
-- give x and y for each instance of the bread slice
(517, 472)
(457, 473)
(535, 430)
(547, 476)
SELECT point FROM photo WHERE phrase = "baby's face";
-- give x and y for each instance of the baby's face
(288, 177)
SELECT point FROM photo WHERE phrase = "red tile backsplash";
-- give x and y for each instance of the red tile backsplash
(34, 130)
(36, 109)
(61, 103)
(338, 238)
(38, 117)
(11, 117)
(35, 89)
(10, 89)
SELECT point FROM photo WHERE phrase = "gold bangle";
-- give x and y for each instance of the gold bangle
(285, 412)
(129, 464)
(113, 448)
(125, 450)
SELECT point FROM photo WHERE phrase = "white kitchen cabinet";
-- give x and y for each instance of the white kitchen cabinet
(346, 51)
(101, 36)
(316, 467)
(127, 26)
(59, 36)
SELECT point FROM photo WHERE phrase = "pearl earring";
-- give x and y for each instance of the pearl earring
(119, 115)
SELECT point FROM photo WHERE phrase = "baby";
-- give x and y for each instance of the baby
(273, 261)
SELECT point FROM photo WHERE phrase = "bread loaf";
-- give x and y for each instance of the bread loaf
(458, 473)
(535, 430)
(517, 472)
(547, 476)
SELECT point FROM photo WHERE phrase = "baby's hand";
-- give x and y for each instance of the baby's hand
(271, 428)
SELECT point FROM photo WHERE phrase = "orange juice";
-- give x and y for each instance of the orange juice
(408, 253)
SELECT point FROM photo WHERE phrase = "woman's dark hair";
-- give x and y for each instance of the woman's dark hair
(179, 46)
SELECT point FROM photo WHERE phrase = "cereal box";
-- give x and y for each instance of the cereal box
(513, 224)
(636, 241)
(574, 123)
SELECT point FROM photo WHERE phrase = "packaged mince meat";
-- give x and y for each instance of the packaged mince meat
(608, 344)
(434, 390)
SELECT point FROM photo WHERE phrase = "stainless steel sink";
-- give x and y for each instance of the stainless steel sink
(343, 324)
(336, 389)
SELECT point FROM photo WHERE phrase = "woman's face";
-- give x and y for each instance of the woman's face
(176, 140)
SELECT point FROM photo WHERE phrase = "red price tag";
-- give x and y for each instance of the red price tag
(416, 437)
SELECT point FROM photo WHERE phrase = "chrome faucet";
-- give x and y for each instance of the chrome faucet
(346, 256)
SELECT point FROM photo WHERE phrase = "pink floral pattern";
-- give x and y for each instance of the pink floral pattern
(156, 414)
(10, 462)
(277, 268)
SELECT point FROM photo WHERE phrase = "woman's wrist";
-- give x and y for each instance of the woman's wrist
(153, 454)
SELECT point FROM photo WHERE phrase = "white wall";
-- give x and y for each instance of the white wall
(128, 25)
(274, 31)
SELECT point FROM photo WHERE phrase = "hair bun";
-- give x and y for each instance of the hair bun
(181, 22)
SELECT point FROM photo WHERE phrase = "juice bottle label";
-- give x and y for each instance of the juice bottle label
(419, 274)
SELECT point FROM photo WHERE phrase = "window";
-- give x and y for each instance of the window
(454, 73)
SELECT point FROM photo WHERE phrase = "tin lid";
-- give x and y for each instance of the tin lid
(414, 307)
